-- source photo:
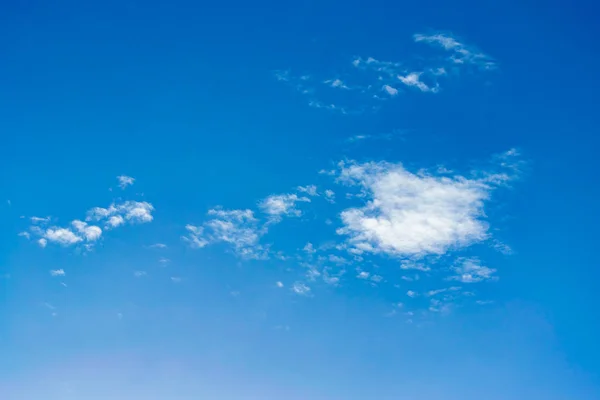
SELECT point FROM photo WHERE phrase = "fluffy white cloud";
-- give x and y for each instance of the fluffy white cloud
(125, 181)
(91, 233)
(279, 284)
(280, 205)
(62, 236)
(412, 294)
(410, 215)
(470, 270)
(57, 272)
(79, 231)
(135, 212)
(114, 221)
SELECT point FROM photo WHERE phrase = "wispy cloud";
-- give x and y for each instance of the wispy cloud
(300, 288)
(238, 228)
(413, 79)
(57, 272)
(157, 246)
(470, 270)
(277, 206)
(460, 52)
(125, 181)
(368, 81)
(40, 220)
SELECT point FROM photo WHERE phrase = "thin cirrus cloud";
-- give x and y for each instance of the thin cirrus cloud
(368, 81)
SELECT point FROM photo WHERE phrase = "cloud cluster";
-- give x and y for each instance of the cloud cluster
(367, 81)
(88, 232)
(242, 230)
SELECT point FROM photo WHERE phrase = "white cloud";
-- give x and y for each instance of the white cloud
(125, 181)
(175, 279)
(330, 196)
(412, 294)
(363, 275)
(392, 91)
(42, 242)
(115, 221)
(460, 53)
(40, 220)
(336, 83)
(411, 264)
(194, 237)
(90, 233)
(280, 205)
(26, 235)
(300, 288)
(413, 79)
(470, 270)
(331, 280)
(438, 291)
(310, 190)
(337, 259)
(164, 260)
(409, 215)
(57, 272)
(158, 246)
(135, 212)
(238, 228)
(309, 248)
(62, 236)
(139, 274)
(279, 284)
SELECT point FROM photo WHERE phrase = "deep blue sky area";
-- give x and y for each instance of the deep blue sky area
(310, 200)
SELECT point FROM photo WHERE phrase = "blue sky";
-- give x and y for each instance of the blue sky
(319, 200)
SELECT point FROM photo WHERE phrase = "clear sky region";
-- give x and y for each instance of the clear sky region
(310, 200)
